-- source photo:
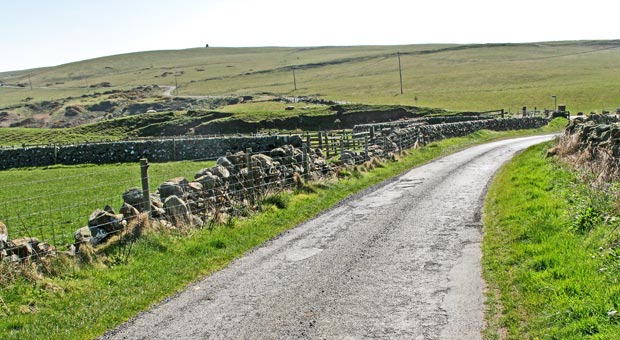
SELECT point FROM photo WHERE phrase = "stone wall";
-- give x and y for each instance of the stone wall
(424, 134)
(593, 144)
(211, 148)
(421, 120)
(131, 151)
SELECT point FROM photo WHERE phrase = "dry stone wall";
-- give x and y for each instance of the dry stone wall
(237, 182)
(592, 143)
(131, 151)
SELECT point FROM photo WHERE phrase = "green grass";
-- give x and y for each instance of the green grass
(272, 110)
(17, 137)
(550, 253)
(454, 77)
(161, 264)
(52, 202)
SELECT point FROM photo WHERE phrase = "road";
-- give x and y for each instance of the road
(397, 261)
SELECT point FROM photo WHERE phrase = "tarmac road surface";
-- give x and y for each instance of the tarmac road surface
(397, 261)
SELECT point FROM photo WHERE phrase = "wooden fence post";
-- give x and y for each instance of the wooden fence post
(305, 163)
(327, 147)
(146, 192)
(248, 162)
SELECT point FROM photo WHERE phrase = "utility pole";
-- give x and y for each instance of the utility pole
(400, 72)
(294, 80)
(176, 84)
(30, 81)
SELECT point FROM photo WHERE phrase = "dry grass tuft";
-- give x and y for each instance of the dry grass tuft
(594, 161)
(377, 163)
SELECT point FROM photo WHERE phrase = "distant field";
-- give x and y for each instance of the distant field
(583, 75)
(262, 110)
(17, 137)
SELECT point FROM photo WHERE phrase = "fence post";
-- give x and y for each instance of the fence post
(327, 147)
(146, 192)
(400, 143)
(366, 146)
(305, 160)
(248, 162)
(321, 140)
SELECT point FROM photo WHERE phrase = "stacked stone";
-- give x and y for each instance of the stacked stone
(237, 180)
(23, 248)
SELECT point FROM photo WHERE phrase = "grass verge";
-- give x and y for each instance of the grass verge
(82, 302)
(550, 253)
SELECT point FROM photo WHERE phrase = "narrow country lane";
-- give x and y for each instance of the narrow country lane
(399, 261)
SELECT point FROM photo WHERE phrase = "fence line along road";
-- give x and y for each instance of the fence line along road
(399, 262)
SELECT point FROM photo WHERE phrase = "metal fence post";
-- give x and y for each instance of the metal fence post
(146, 192)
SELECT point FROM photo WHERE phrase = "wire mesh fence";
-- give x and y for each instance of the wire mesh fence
(67, 205)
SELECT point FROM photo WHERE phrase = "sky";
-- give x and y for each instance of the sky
(37, 33)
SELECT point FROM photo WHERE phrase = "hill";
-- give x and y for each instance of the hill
(582, 74)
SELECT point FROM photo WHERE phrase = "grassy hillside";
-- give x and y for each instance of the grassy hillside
(456, 77)
(238, 118)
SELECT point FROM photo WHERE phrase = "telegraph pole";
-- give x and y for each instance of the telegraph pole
(30, 82)
(400, 72)
(294, 80)
(176, 84)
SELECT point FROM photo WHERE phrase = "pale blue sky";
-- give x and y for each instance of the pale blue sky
(36, 33)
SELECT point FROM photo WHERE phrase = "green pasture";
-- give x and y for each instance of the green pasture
(581, 74)
(52, 202)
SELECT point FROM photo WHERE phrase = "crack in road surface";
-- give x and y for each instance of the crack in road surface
(399, 261)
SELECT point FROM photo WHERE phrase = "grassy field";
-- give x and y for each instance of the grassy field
(550, 253)
(454, 77)
(273, 110)
(101, 297)
(51, 203)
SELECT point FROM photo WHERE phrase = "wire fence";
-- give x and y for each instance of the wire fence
(66, 206)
